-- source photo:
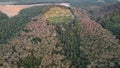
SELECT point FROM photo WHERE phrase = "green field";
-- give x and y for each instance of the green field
(59, 15)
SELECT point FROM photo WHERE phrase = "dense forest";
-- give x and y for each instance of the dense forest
(3, 16)
(57, 37)
(109, 17)
(112, 23)
(109, 9)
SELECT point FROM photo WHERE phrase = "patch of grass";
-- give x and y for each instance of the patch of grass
(59, 15)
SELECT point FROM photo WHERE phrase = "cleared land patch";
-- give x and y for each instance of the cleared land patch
(59, 15)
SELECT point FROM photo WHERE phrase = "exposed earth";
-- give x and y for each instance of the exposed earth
(12, 10)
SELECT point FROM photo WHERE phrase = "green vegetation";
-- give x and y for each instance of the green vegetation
(11, 27)
(112, 23)
(59, 15)
(30, 62)
(109, 17)
(3, 16)
(98, 13)
(36, 40)
(70, 41)
(81, 43)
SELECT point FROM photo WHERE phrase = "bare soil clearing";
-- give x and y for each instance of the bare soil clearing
(12, 10)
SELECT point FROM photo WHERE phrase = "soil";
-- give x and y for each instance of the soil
(12, 10)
